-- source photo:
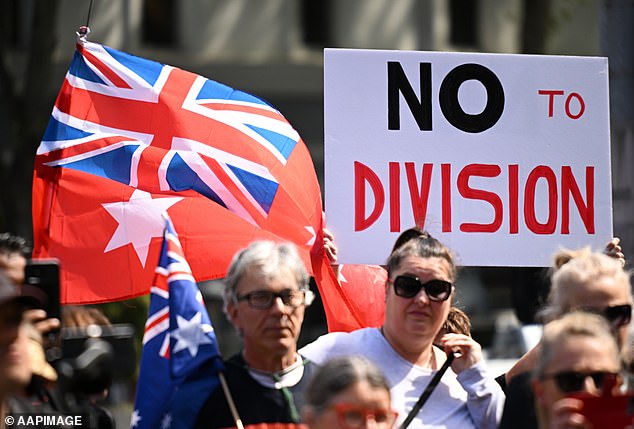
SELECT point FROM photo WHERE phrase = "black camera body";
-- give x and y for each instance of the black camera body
(94, 355)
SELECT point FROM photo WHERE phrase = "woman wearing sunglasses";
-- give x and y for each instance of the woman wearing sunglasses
(582, 280)
(418, 296)
(348, 393)
(578, 354)
(592, 282)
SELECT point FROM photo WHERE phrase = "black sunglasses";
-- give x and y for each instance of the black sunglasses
(573, 381)
(617, 315)
(409, 286)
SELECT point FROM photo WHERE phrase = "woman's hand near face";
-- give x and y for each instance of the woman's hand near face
(468, 351)
(565, 413)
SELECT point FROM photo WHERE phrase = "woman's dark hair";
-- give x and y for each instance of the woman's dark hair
(420, 244)
(409, 234)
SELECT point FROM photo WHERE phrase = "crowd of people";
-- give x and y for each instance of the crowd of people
(420, 369)
(29, 383)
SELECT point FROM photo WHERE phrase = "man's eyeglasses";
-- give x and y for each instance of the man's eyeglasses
(617, 315)
(409, 286)
(355, 417)
(573, 381)
(263, 299)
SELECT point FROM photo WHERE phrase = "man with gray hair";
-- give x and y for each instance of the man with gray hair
(266, 293)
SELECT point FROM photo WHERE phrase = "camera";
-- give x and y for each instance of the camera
(87, 358)
(94, 355)
(83, 356)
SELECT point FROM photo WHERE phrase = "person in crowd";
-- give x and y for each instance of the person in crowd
(266, 293)
(15, 366)
(581, 280)
(419, 293)
(578, 353)
(33, 378)
(14, 253)
(591, 281)
(348, 393)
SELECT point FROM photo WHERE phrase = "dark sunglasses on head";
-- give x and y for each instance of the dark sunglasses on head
(409, 286)
(573, 381)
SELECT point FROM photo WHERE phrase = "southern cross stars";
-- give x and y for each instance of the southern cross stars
(190, 334)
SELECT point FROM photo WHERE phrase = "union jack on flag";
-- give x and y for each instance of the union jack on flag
(180, 359)
(104, 136)
(130, 138)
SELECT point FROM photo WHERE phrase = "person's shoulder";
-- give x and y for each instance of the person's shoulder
(235, 367)
(309, 369)
(236, 360)
(338, 343)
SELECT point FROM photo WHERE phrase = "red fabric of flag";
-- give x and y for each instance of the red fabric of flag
(129, 139)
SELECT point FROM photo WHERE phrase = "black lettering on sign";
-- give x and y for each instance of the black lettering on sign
(397, 84)
(450, 105)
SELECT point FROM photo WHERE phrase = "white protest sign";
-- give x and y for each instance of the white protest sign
(504, 158)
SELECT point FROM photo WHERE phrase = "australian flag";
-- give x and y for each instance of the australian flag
(180, 359)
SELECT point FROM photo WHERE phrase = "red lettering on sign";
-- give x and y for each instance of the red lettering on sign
(445, 170)
(541, 172)
(582, 105)
(513, 198)
(363, 174)
(481, 170)
(569, 187)
(366, 179)
(418, 197)
(551, 98)
(395, 197)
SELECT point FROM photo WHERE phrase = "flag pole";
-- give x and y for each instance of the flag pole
(84, 30)
(88, 17)
(232, 405)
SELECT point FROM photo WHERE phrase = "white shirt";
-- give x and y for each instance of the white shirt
(468, 400)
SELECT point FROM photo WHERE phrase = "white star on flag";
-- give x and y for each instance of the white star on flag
(140, 219)
(166, 422)
(313, 236)
(341, 278)
(190, 334)
(136, 418)
(378, 276)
